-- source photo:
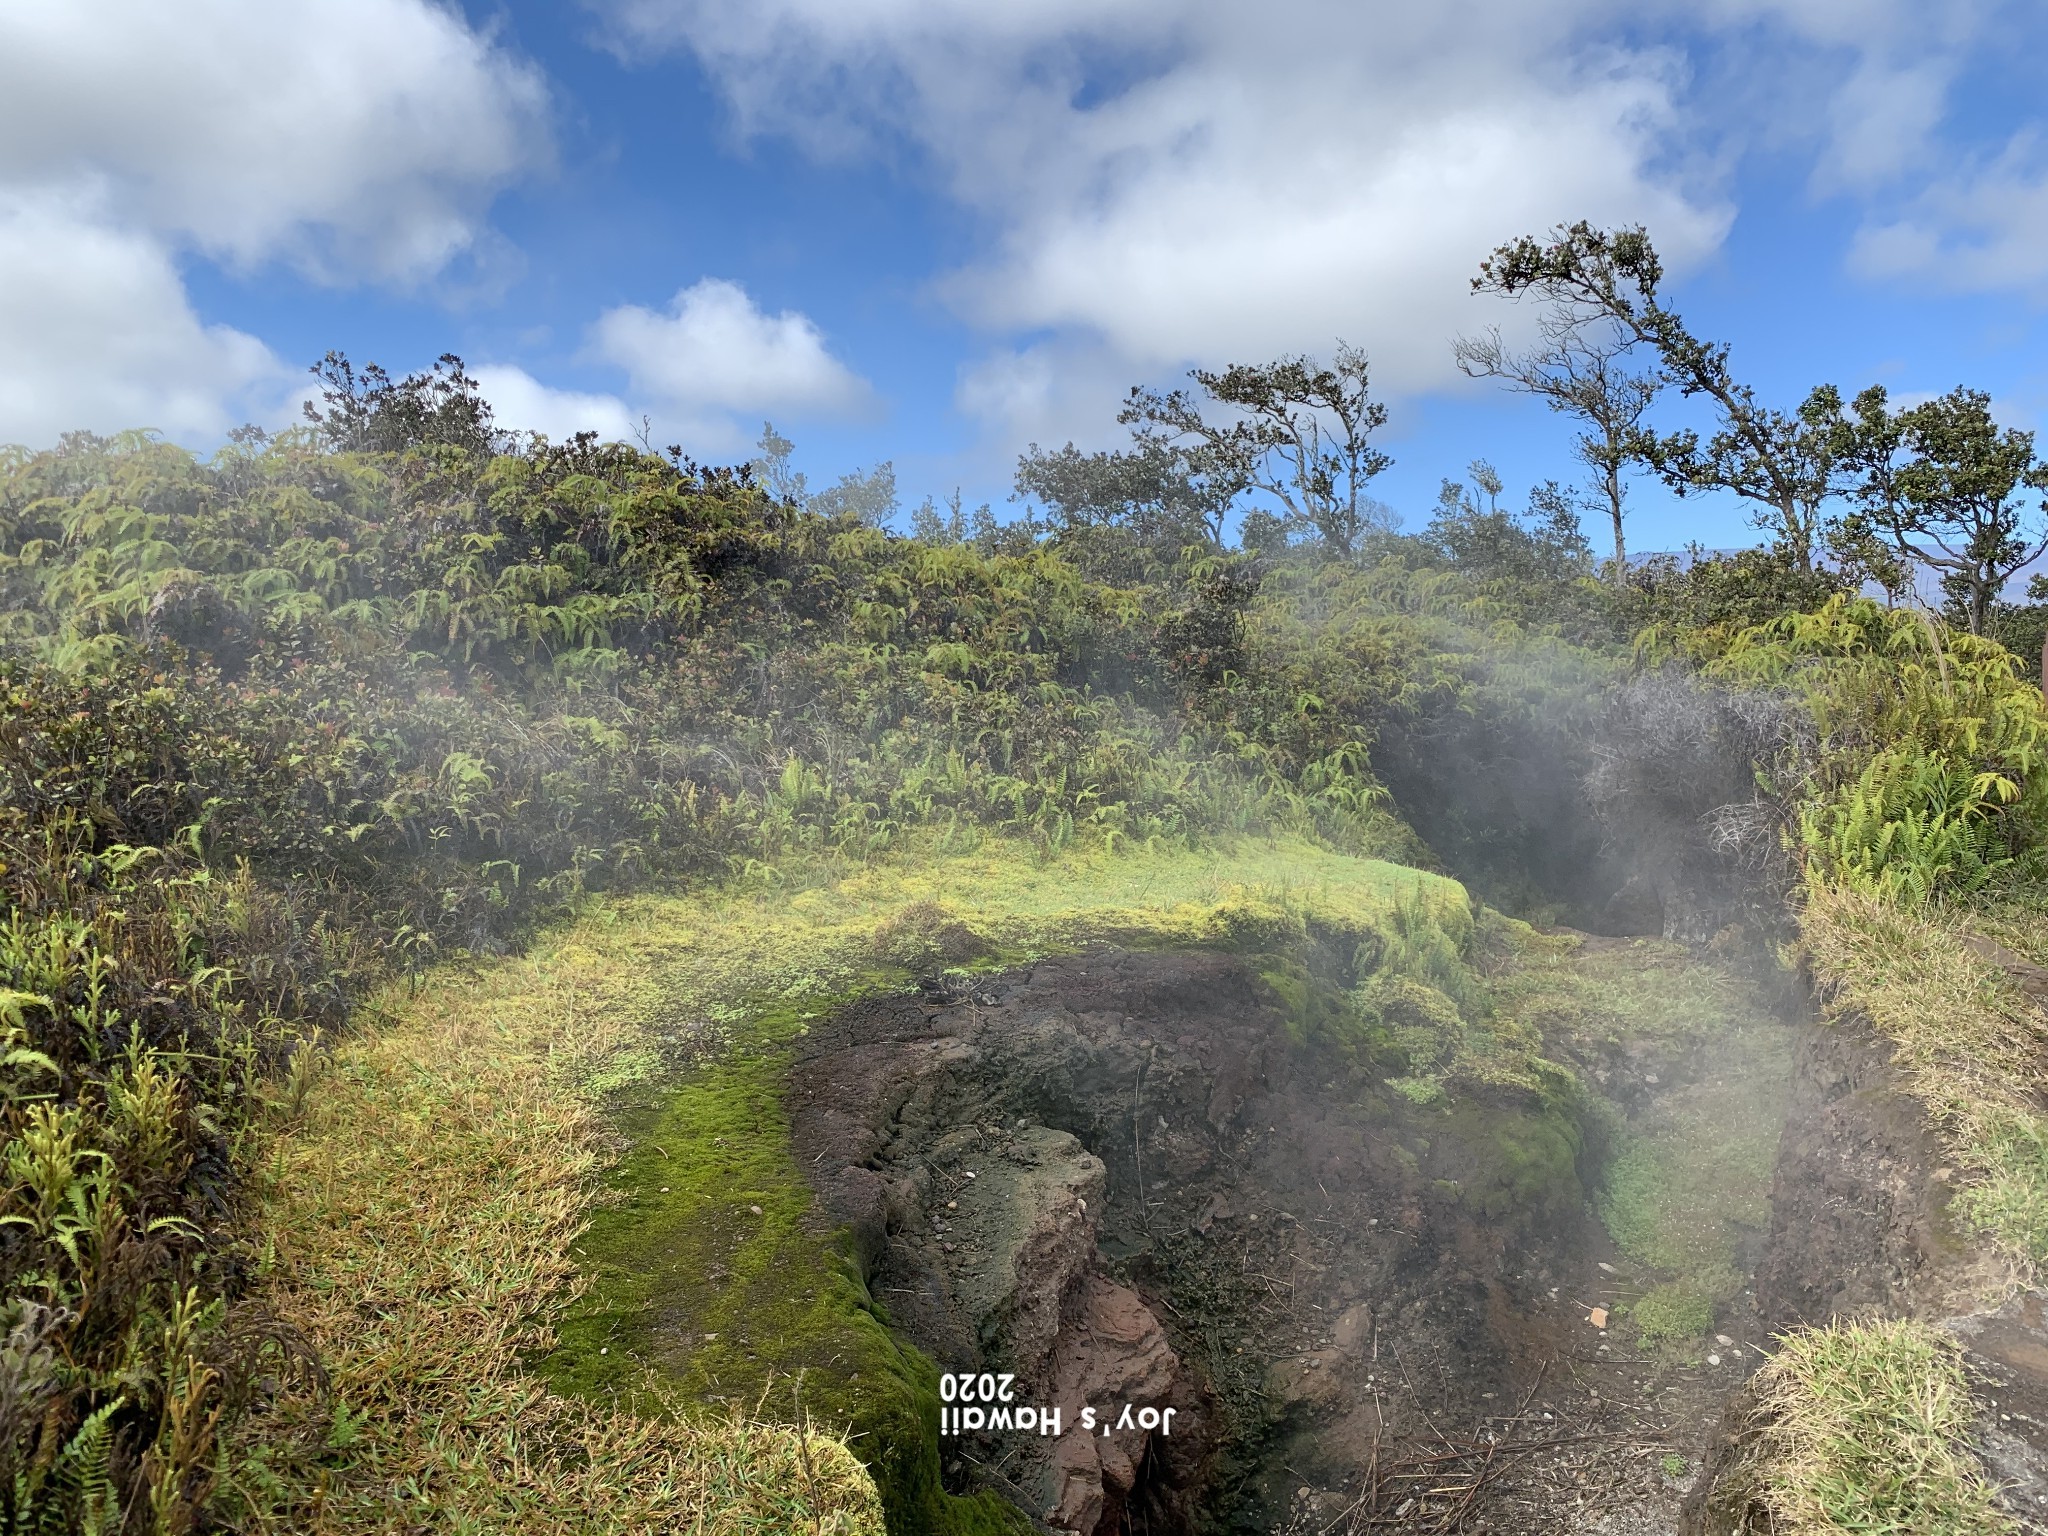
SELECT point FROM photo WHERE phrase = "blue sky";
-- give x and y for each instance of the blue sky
(934, 230)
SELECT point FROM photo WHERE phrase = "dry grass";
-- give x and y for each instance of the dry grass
(418, 1223)
(1863, 1427)
(1966, 1039)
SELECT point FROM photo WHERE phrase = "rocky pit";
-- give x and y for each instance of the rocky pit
(1117, 1176)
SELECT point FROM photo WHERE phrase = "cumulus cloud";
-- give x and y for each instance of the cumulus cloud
(1174, 181)
(355, 140)
(96, 333)
(706, 369)
(1169, 183)
(713, 350)
(521, 403)
(1984, 229)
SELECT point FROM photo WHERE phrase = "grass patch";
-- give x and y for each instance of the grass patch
(1678, 1312)
(579, 1157)
(1864, 1427)
(1966, 1040)
(1687, 1173)
(416, 1224)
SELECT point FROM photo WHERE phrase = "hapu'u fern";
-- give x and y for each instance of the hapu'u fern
(1913, 826)
(74, 1491)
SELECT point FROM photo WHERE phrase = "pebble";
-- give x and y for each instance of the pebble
(1650, 1078)
(1713, 1359)
(1724, 1341)
(1253, 1217)
(1606, 1269)
(754, 1210)
(970, 1173)
(952, 1205)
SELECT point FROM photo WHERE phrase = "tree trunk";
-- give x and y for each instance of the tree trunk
(1614, 510)
(1797, 536)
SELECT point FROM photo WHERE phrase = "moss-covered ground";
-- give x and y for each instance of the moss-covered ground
(557, 1191)
(1697, 1068)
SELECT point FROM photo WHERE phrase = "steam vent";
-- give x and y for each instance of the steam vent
(1112, 935)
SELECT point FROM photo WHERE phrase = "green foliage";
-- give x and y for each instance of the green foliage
(1864, 1426)
(1949, 492)
(279, 725)
(325, 707)
(1925, 776)
(1537, 564)
(1678, 1312)
(1696, 605)
(1911, 826)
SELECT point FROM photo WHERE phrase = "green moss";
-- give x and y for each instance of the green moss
(707, 1273)
(1697, 1066)
(1419, 1091)
(1679, 1312)
(1527, 1158)
(705, 1269)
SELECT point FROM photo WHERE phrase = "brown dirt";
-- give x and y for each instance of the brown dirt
(1171, 1204)
(1860, 1226)
(1859, 1201)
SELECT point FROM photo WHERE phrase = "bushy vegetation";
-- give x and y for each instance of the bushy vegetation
(283, 724)
(286, 724)
(1924, 774)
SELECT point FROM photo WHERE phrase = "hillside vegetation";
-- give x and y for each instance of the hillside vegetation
(286, 727)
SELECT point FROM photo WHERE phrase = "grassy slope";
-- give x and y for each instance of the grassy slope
(419, 1218)
(1966, 1039)
(416, 1224)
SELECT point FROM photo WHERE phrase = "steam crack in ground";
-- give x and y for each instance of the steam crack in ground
(1121, 1177)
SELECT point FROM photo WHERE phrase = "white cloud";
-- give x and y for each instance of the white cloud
(1174, 181)
(96, 333)
(352, 139)
(1170, 183)
(355, 138)
(1882, 122)
(707, 369)
(713, 350)
(521, 403)
(1982, 229)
